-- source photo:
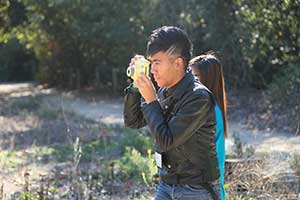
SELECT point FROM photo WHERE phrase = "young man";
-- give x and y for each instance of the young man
(180, 117)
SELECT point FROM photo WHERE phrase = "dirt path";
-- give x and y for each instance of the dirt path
(106, 110)
(110, 111)
(263, 141)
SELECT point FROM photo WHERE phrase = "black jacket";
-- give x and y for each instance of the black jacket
(183, 125)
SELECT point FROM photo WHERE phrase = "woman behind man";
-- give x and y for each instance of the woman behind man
(208, 70)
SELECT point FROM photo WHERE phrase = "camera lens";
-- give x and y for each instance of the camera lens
(130, 71)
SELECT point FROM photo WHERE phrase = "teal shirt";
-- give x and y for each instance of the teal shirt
(220, 148)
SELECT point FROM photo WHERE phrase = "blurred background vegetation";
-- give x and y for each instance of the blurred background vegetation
(88, 43)
(78, 44)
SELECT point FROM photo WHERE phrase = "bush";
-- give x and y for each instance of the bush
(286, 85)
(133, 165)
(16, 62)
(81, 43)
(137, 139)
(269, 34)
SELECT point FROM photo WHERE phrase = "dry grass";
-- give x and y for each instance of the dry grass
(38, 159)
(268, 178)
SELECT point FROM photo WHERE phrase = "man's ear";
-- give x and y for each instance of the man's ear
(179, 63)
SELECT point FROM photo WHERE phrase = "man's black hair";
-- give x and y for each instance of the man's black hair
(166, 37)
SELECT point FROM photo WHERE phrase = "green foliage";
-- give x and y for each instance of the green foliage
(216, 28)
(63, 153)
(30, 103)
(79, 43)
(48, 113)
(16, 62)
(134, 165)
(119, 139)
(137, 139)
(270, 36)
(151, 169)
(287, 85)
(92, 150)
(40, 153)
(10, 160)
(29, 195)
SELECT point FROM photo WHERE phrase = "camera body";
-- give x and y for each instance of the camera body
(141, 67)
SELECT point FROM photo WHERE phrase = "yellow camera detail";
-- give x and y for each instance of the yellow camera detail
(141, 66)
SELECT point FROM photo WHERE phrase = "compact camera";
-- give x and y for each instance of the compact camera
(141, 67)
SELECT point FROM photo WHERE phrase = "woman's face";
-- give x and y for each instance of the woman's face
(196, 72)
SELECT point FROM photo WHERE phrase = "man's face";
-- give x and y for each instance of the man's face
(163, 69)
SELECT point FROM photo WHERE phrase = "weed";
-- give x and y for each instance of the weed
(294, 162)
(240, 149)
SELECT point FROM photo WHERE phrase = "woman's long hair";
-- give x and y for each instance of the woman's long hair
(211, 75)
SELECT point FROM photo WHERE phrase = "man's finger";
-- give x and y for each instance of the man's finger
(135, 58)
(138, 56)
(140, 82)
(147, 80)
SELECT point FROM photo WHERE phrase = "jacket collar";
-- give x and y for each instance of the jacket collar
(178, 90)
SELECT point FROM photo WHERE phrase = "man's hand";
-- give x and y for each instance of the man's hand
(144, 84)
(146, 88)
(132, 62)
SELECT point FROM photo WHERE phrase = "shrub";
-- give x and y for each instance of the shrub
(133, 165)
(16, 62)
(286, 85)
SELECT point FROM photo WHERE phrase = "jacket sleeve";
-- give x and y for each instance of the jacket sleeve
(133, 116)
(191, 116)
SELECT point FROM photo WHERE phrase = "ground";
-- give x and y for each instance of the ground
(264, 140)
(108, 110)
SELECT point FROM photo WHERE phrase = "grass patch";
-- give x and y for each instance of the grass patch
(91, 151)
(117, 138)
(134, 165)
(294, 162)
(48, 113)
(138, 139)
(13, 159)
(101, 145)
(30, 103)
(57, 153)
(10, 160)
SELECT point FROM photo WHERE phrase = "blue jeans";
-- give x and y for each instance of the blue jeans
(185, 192)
